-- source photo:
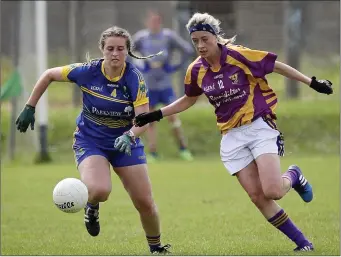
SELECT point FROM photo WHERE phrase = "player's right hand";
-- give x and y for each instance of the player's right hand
(145, 118)
(26, 118)
(123, 144)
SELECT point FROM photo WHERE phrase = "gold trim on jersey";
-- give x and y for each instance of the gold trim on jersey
(188, 77)
(264, 86)
(67, 69)
(215, 69)
(271, 99)
(233, 61)
(201, 75)
(141, 96)
(115, 79)
(106, 121)
(141, 102)
(268, 93)
(103, 96)
(250, 55)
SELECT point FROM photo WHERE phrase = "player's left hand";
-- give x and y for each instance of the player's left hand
(123, 144)
(321, 86)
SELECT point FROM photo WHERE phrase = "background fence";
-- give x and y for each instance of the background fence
(305, 34)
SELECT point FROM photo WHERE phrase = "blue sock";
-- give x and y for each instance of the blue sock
(93, 206)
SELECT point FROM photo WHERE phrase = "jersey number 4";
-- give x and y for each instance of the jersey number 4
(113, 93)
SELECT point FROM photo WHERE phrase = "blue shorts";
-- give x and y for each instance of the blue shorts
(164, 96)
(83, 148)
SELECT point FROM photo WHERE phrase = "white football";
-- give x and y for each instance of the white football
(70, 195)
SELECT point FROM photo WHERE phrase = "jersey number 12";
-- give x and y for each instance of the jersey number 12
(220, 84)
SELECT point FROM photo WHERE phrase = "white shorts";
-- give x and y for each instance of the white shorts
(241, 145)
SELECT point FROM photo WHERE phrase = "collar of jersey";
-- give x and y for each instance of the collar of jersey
(115, 79)
(222, 58)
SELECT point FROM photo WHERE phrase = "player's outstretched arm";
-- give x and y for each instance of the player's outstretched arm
(53, 74)
(26, 117)
(177, 106)
(321, 86)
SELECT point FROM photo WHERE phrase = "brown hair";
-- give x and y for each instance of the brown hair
(120, 32)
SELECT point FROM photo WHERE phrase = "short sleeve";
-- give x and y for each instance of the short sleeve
(138, 38)
(73, 72)
(138, 88)
(191, 86)
(260, 63)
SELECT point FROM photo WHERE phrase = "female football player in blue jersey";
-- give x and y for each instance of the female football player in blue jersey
(114, 91)
(233, 79)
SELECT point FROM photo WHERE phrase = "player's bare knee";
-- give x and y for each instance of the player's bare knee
(99, 193)
(258, 199)
(172, 118)
(273, 193)
(174, 121)
(100, 196)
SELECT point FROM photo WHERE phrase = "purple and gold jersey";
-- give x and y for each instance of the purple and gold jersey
(238, 89)
(108, 103)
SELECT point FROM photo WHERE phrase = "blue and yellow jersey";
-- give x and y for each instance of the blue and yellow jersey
(108, 103)
(167, 41)
(237, 89)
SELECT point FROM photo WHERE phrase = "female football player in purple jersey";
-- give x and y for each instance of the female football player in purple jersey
(233, 79)
(113, 92)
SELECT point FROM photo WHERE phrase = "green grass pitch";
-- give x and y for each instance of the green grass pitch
(203, 211)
